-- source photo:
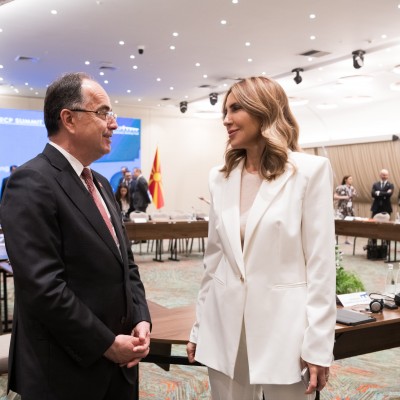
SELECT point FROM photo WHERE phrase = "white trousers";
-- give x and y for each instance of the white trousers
(239, 388)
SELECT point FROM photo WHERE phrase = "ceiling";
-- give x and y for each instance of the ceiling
(36, 46)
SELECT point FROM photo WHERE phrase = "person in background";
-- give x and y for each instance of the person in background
(123, 198)
(344, 195)
(381, 192)
(81, 322)
(124, 170)
(266, 307)
(5, 180)
(129, 182)
(141, 198)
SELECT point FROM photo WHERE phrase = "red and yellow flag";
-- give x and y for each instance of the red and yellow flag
(155, 183)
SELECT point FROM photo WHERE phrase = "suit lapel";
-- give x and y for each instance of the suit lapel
(79, 195)
(264, 198)
(230, 192)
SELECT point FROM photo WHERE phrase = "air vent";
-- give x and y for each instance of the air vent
(166, 98)
(204, 86)
(107, 68)
(2, 2)
(314, 53)
(26, 58)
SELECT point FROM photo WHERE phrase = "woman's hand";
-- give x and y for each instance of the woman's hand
(318, 376)
(191, 351)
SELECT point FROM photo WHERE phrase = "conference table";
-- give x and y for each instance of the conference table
(173, 230)
(172, 326)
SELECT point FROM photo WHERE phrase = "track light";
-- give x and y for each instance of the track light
(358, 58)
(298, 78)
(213, 98)
(183, 106)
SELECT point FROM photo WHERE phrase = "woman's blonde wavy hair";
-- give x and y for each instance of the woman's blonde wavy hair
(265, 99)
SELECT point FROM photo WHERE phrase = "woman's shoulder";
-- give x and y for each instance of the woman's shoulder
(305, 161)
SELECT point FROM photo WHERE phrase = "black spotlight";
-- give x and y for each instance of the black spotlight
(358, 58)
(298, 78)
(213, 98)
(183, 106)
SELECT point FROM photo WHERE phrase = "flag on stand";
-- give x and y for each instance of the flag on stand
(155, 183)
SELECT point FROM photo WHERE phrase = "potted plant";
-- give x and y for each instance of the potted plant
(346, 281)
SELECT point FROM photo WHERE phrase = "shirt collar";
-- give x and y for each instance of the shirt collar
(75, 163)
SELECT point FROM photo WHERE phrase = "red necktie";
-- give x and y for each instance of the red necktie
(87, 177)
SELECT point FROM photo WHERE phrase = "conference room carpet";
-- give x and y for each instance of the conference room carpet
(173, 284)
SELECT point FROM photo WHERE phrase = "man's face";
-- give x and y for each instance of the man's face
(384, 175)
(128, 176)
(92, 136)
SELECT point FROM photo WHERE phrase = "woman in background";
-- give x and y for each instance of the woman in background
(344, 194)
(266, 307)
(123, 198)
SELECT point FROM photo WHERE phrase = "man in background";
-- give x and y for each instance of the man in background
(141, 198)
(381, 192)
(81, 321)
(5, 180)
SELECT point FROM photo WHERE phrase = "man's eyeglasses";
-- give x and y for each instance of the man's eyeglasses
(106, 115)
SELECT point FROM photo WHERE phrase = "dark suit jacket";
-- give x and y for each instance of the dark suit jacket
(74, 290)
(381, 202)
(140, 197)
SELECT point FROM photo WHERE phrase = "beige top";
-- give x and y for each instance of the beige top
(250, 185)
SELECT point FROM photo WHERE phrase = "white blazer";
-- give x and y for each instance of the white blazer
(281, 286)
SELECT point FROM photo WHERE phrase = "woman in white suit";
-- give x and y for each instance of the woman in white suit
(266, 307)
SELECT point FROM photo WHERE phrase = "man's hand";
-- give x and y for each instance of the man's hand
(122, 350)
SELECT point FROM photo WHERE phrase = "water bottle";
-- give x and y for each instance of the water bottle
(390, 287)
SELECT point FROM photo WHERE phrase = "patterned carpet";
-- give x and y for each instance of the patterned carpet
(173, 284)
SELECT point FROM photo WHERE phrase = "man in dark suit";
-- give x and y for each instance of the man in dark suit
(381, 193)
(141, 198)
(5, 180)
(81, 321)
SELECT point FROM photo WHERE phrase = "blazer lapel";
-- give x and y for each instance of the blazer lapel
(265, 196)
(230, 192)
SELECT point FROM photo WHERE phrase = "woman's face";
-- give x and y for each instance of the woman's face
(123, 191)
(349, 180)
(244, 130)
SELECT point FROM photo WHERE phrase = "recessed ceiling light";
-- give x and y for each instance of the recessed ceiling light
(116, 101)
(54, 12)
(309, 58)
(101, 73)
(158, 79)
(357, 99)
(249, 60)
(121, 42)
(327, 106)
(26, 84)
(1, 66)
(235, 1)
(1, 30)
(175, 34)
(31, 88)
(1, 79)
(171, 88)
(205, 76)
(312, 16)
(131, 56)
(197, 64)
(383, 36)
(135, 67)
(395, 86)
(298, 101)
(129, 91)
(36, 93)
(247, 44)
(139, 99)
(312, 37)
(223, 22)
(355, 79)
(87, 62)
(172, 47)
(106, 81)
